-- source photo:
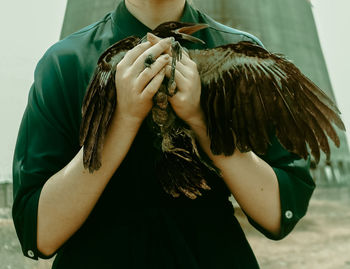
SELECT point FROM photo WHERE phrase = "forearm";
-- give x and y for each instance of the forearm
(251, 180)
(68, 197)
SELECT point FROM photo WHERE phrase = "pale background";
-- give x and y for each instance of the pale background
(28, 28)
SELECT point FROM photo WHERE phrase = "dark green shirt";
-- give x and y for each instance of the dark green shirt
(134, 224)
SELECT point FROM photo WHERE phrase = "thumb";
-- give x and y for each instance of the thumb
(154, 85)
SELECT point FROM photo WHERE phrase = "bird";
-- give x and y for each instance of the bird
(247, 94)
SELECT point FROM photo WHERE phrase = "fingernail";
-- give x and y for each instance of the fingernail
(169, 39)
(149, 35)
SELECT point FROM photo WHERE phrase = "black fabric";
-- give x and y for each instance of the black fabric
(134, 224)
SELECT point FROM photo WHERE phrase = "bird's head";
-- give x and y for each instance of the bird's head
(179, 30)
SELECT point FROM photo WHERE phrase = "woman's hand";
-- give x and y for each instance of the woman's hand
(135, 83)
(186, 102)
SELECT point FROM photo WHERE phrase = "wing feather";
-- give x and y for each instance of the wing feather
(247, 92)
(100, 101)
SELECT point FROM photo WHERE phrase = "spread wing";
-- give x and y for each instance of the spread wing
(247, 93)
(100, 101)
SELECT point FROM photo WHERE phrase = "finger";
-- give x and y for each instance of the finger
(185, 52)
(183, 69)
(134, 53)
(186, 60)
(148, 73)
(189, 71)
(153, 39)
(155, 51)
(179, 77)
(153, 85)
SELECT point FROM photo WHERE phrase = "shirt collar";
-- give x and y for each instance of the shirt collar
(125, 24)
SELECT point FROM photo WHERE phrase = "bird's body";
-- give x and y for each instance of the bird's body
(247, 94)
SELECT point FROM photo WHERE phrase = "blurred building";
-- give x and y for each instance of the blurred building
(286, 27)
(80, 13)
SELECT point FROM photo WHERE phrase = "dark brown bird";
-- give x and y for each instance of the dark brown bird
(247, 94)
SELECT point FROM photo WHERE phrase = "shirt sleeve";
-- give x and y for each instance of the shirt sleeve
(295, 187)
(46, 142)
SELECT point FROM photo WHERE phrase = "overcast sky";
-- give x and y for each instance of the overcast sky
(28, 28)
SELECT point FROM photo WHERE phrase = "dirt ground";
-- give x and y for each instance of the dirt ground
(320, 240)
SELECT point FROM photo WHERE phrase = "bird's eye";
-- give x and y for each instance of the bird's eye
(172, 25)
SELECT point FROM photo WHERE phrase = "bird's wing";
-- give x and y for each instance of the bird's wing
(100, 101)
(247, 93)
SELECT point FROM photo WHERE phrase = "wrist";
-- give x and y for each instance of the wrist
(197, 122)
(127, 121)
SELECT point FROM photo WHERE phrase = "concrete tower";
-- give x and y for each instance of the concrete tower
(286, 27)
(80, 13)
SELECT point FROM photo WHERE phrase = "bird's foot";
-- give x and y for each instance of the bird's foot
(171, 88)
(176, 51)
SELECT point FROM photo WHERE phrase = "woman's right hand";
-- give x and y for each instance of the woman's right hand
(137, 84)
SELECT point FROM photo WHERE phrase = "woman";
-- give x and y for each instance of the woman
(119, 215)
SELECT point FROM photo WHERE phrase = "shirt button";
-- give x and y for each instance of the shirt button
(30, 253)
(288, 214)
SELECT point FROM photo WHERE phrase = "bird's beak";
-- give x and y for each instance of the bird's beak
(187, 31)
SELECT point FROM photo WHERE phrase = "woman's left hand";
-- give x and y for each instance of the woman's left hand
(186, 102)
